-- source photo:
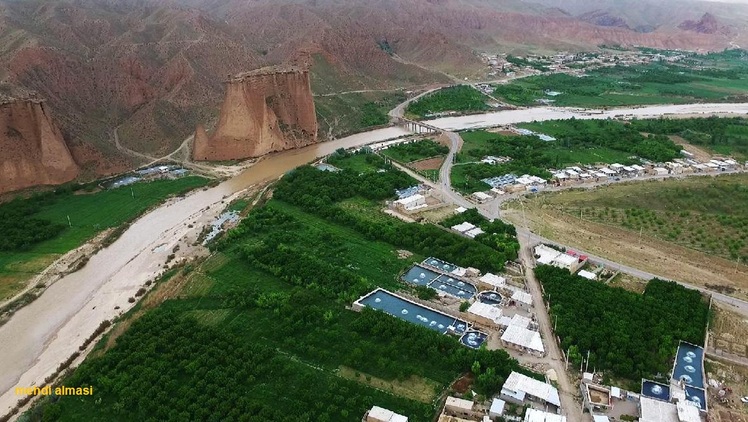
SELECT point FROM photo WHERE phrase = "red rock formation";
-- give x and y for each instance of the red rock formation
(265, 110)
(32, 150)
(708, 24)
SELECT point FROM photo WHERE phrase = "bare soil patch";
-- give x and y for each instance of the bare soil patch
(727, 407)
(463, 383)
(433, 163)
(698, 153)
(728, 331)
(629, 282)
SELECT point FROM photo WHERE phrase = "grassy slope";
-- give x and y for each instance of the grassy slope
(340, 115)
(707, 214)
(89, 215)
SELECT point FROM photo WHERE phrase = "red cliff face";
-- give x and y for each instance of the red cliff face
(265, 110)
(32, 149)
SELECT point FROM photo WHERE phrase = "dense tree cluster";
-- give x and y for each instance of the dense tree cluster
(412, 151)
(611, 134)
(456, 98)
(169, 367)
(725, 135)
(372, 115)
(631, 335)
(317, 192)
(20, 230)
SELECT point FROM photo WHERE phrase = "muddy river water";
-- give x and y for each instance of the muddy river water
(45, 333)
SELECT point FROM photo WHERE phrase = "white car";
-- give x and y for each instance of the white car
(744, 399)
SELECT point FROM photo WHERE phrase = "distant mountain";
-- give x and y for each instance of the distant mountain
(155, 68)
(708, 24)
(603, 18)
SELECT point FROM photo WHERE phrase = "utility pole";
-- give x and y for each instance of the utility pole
(555, 322)
(567, 357)
(132, 193)
(641, 229)
(69, 223)
(587, 364)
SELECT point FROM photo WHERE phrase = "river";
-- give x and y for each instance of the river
(46, 332)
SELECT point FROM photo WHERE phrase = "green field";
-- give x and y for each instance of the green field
(261, 331)
(89, 213)
(720, 77)
(703, 213)
(413, 151)
(462, 98)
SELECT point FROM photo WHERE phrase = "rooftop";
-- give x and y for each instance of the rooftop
(657, 411)
(533, 387)
(459, 403)
(497, 407)
(463, 227)
(486, 311)
(382, 414)
(493, 280)
(533, 415)
(523, 337)
(522, 297)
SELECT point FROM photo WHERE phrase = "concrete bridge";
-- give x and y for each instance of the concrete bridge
(416, 127)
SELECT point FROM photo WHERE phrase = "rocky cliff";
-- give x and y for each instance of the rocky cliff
(32, 149)
(266, 110)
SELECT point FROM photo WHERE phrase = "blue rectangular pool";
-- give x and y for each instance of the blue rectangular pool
(422, 276)
(689, 365)
(456, 288)
(696, 397)
(419, 276)
(655, 390)
(412, 312)
(442, 265)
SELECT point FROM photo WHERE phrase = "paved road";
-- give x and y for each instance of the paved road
(567, 391)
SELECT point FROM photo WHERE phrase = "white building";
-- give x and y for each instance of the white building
(486, 313)
(412, 202)
(380, 414)
(463, 227)
(497, 408)
(588, 275)
(459, 407)
(534, 415)
(518, 385)
(474, 232)
(523, 339)
(660, 171)
(493, 280)
(481, 196)
(522, 298)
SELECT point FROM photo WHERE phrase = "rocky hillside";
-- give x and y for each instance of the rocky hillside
(32, 149)
(154, 68)
(264, 111)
